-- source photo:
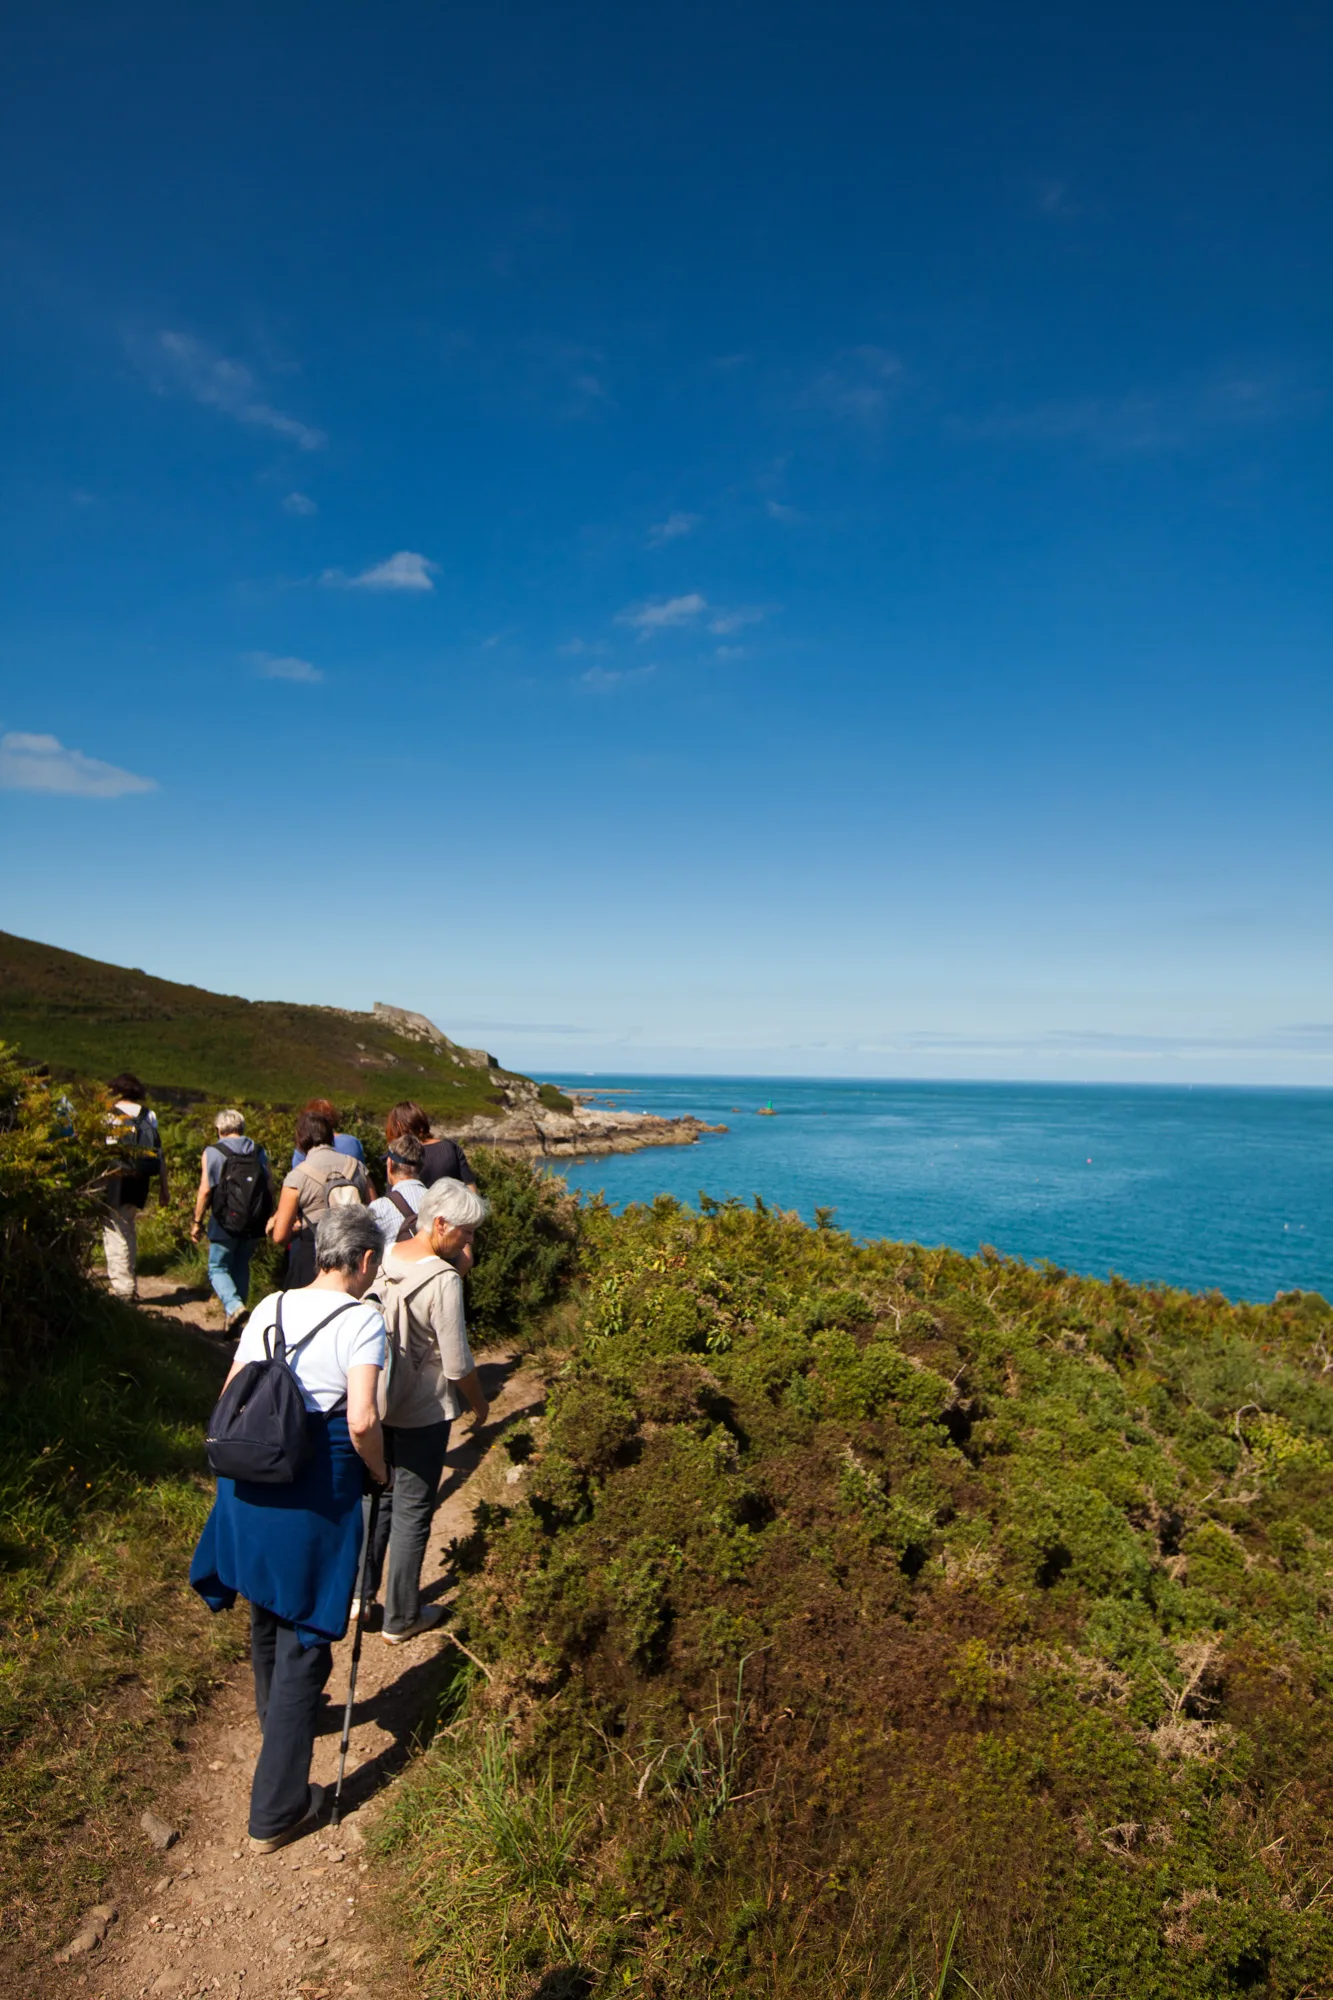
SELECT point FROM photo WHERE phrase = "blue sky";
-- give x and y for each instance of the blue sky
(779, 539)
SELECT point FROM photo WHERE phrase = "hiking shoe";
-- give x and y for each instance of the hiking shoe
(307, 1823)
(236, 1320)
(426, 1620)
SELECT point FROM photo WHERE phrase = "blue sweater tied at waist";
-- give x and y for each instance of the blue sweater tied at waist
(292, 1550)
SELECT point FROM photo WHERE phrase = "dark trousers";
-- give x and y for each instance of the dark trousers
(289, 1679)
(402, 1527)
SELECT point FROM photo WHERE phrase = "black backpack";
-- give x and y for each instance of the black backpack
(259, 1429)
(242, 1203)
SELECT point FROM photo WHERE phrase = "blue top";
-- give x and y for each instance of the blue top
(292, 1550)
(343, 1142)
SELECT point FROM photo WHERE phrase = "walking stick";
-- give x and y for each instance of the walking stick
(356, 1653)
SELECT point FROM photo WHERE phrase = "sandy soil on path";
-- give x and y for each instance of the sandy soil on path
(301, 1922)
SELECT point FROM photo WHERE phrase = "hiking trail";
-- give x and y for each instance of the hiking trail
(300, 1923)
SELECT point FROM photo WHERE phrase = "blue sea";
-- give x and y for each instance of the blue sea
(1203, 1188)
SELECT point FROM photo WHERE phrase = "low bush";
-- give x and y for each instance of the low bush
(103, 1653)
(849, 1590)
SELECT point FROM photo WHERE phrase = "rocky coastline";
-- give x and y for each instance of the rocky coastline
(528, 1127)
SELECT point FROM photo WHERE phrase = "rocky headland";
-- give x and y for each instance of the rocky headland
(537, 1130)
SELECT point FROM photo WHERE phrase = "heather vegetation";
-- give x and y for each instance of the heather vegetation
(87, 1019)
(867, 1619)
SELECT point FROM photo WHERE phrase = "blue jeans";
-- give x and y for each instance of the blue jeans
(229, 1273)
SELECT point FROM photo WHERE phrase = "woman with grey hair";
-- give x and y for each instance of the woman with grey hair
(430, 1374)
(235, 1193)
(293, 1549)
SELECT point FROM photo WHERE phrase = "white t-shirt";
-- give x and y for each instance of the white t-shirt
(355, 1338)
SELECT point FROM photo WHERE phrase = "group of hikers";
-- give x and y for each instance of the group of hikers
(341, 1392)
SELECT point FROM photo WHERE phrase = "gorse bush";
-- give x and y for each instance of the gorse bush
(1029, 1576)
(102, 1492)
(49, 1167)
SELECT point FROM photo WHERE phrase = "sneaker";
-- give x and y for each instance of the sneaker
(236, 1320)
(307, 1823)
(426, 1620)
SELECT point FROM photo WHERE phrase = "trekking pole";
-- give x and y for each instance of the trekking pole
(356, 1653)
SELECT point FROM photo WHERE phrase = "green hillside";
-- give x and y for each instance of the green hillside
(87, 1019)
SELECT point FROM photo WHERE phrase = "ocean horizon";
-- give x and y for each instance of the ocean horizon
(1226, 1187)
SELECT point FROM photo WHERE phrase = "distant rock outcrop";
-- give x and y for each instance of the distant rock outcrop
(527, 1126)
(417, 1028)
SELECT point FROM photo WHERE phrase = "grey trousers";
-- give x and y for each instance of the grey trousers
(402, 1527)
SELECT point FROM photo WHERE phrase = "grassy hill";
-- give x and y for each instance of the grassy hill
(87, 1019)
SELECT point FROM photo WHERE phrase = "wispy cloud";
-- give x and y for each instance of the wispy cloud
(728, 652)
(777, 510)
(858, 387)
(605, 680)
(176, 361)
(404, 571)
(300, 503)
(572, 648)
(660, 615)
(43, 764)
(1052, 197)
(739, 616)
(673, 529)
(1142, 422)
(283, 667)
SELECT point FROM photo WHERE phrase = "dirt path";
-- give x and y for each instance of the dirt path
(220, 1920)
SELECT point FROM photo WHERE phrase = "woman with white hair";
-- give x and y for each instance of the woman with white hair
(430, 1374)
(292, 1549)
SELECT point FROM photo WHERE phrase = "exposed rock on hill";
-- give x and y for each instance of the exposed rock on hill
(529, 1127)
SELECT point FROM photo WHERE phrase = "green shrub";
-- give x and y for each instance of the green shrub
(1029, 1575)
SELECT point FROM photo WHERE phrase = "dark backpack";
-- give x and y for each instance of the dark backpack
(259, 1430)
(242, 1203)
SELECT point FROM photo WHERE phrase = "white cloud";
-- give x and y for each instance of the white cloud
(859, 386)
(404, 571)
(672, 529)
(188, 365)
(283, 667)
(300, 503)
(741, 615)
(656, 617)
(43, 764)
(729, 652)
(776, 511)
(604, 680)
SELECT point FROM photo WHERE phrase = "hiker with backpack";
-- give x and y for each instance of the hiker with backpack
(342, 1142)
(396, 1211)
(236, 1193)
(295, 1434)
(429, 1376)
(325, 1178)
(441, 1159)
(133, 1136)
